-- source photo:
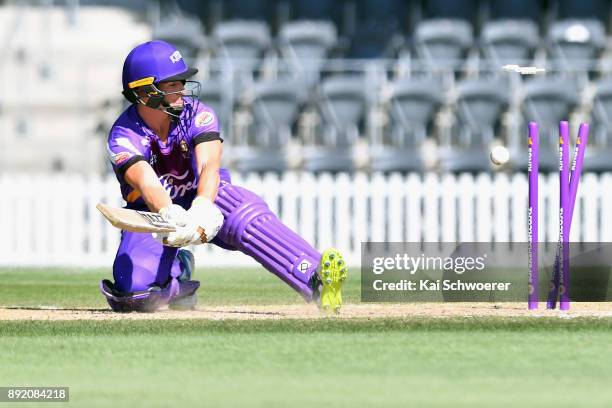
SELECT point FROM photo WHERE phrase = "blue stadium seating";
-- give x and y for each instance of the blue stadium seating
(591, 9)
(575, 44)
(509, 42)
(185, 33)
(274, 110)
(467, 10)
(217, 93)
(411, 107)
(379, 29)
(599, 151)
(479, 106)
(305, 45)
(514, 10)
(342, 106)
(242, 43)
(548, 101)
(443, 43)
(259, 10)
(334, 11)
(269, 62)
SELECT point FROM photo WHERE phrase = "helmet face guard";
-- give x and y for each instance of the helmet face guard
(155, 96)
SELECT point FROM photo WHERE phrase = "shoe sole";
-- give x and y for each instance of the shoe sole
(333, 273)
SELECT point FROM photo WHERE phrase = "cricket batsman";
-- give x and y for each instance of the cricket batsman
(165, 150)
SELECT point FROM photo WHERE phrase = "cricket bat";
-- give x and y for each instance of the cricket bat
(135, 221)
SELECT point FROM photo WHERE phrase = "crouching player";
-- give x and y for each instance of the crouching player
(165, 149)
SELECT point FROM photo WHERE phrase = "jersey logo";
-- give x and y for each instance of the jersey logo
(120, 157)
(173, 184)
(176, 57)
(204, 118)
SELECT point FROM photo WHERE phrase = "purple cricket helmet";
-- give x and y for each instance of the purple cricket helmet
(150, 63)
(153, 62)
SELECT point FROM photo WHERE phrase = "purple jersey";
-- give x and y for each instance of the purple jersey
(174, 162)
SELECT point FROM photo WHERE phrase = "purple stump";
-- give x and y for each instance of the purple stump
(581, 141)
(532, 226)
(564, 220)
(576, 171)
(559, 268)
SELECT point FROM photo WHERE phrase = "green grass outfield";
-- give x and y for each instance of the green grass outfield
(420, 362)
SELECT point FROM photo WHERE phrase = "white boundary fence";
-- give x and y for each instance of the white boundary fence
(51, 220)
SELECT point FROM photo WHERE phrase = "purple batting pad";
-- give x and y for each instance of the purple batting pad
(533, 172)
(253, 229)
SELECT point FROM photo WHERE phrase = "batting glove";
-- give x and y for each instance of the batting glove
(178, 216)
(183, 236)
(206, 216)
(175, 214)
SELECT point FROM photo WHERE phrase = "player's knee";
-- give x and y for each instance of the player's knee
(134, 274)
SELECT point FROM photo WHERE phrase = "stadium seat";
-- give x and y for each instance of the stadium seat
(379, 29)
(509, 42)
(305, 45)
(412, 105)
(514, 10)
(461, 9)
(342, 106)
(546, 101)
(591, 9)
(185, 33)
(443, 44)
(274, 109)
(261, 10)
(478, 108)
(575, 45)
(599, 149)
(375, 39)
(241, 43)
(217, 93)
(317, 10)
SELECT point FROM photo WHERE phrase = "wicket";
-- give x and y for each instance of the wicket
(532, 223)
(568, 188)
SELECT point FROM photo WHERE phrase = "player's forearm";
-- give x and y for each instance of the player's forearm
(143, 179)
(209, 182)
(156, 197)
(208, 156)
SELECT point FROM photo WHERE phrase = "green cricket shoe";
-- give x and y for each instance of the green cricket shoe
(332, 272)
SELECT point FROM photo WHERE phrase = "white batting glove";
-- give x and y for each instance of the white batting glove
(183, 236)
(175, 214)
(178, 216)
(206, 216)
